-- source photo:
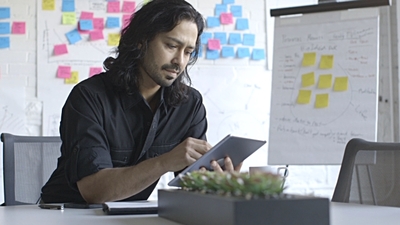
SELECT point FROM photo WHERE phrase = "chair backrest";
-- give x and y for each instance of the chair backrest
(369, 174)
(28, 163)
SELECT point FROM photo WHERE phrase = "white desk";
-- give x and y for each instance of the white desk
(341, 214)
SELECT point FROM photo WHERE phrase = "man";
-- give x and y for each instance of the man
(123, 129)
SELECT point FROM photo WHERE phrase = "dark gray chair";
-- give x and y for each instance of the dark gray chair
(28, 163)
(369, 174)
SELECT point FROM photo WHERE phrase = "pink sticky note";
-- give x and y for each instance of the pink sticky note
(226, 18)
(60, 49)
(128, 7)
(18, 28)
(214, 44)
(86, 16)
(94, 71)
(96, 35)
(126, 19)
(64, 72)
(98, 23)
(113, 7)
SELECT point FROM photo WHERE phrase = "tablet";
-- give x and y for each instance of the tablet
(237, 148)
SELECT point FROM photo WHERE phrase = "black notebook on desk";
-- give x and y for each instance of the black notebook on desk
(134, 207)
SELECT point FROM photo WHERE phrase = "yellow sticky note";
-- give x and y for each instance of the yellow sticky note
(113, 39)
(74, 79)
(309, 59)
(326, 62)
(341, 84)
(325, 81)
(48, 4)
(321, 100)
(307, 79)
(145, 2)
(69, 18)
(304, 97)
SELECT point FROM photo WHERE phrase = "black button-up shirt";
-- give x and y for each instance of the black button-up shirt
(104, 128)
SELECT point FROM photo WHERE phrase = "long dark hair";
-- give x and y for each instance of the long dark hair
(155, 17)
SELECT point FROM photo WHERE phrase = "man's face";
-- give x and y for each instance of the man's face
(168, 54)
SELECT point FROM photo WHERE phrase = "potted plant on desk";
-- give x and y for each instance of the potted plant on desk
(239, 198)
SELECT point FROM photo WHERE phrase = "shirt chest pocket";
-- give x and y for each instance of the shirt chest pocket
(121, 157)
(160, 148)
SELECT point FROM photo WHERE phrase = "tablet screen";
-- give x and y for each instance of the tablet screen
(237, 148)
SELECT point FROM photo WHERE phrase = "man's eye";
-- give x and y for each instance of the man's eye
(171, 46)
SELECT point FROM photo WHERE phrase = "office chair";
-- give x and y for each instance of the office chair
(28, 163)
(369, 174)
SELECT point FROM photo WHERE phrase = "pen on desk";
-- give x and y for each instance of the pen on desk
(51, 206)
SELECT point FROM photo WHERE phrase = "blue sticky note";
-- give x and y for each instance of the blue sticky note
(258, 54)
(219, 8)
(228, 51)
(68, 6)
(236, 10)
(213, 22)
(249, 39)
(5, 28)
(243, 52)
(86, 24)
(112, 22)
(4, 42)
(212, 54)
(73, 36)
(242, 24)
(221, 36)
(235, 38)
(228, 1)
(4, 12)
(205, 37)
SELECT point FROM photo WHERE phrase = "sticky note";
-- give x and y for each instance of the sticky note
(74, 79)
(249, 39)
(68, 6)
(213, 22)
(98, 23)
(226, 18)
(228, 51)
(341, 84)
(86, 24)
(309, 59)
(325, 81)
(73, 36)
(4, 42)
(18, 28)
(220, 8)
(64, 72)
(60, 49)
(228, 1)
(113, 39)
(94, 71)
(69, 18)
(326, 62)
(236, 10)
(212, 54)
(112, 22)
(205, 37)
(126, 19)
(307, 79)
(199, 53)
(242, 24)
(5, 28)
(221, 36)
(304, 97)
(258, 54)
(321, 101)
(128, 7)
(96, 35)
(86, 15)
(5, 13)
(48, 5)
(214, 44)
(113, 7)
(235, 38)
(243, 52)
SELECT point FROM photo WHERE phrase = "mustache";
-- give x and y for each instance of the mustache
(172, 67)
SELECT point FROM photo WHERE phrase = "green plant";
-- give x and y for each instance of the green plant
(249, 186)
